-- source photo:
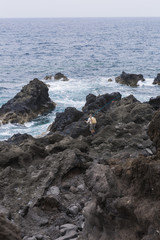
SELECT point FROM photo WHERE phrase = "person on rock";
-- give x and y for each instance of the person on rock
(92, 123)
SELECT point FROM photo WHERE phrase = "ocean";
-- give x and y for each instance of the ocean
(88, 51)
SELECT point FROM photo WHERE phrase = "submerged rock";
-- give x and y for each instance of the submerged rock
(129, 79)
(61, 76)
(48, 77)
(31, 101)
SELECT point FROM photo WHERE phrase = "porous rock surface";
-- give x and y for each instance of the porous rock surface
(31, 101)
(77, 186)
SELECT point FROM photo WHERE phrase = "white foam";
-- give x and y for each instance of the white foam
(147, 82)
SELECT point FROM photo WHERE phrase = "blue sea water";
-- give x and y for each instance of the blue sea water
(87, 50)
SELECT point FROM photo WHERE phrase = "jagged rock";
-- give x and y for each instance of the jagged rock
(127, 207)
(11, 155)
(129, 79)
(155, 102)
(59, 76)
(69, 116)
(111, 177)
(154, 129)
(31, 101)
(157, 79)
(100, 103)
(20, 148)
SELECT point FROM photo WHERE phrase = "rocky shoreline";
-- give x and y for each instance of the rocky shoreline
(71, 185)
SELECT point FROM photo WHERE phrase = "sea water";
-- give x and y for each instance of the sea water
(88, 51)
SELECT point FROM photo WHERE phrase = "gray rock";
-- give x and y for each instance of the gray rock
(68, 236)
(39, 237)
(67, 228)
(81, 187)
(30, 238)
(54, 190)
(149, 151)
(73, 210)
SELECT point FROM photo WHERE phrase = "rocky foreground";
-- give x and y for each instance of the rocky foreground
(71, 185)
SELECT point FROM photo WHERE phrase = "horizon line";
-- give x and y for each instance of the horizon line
(79, 17)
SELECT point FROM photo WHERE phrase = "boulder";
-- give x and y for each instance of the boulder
(60, 76)
(31, 101)
(129, 79)
(70, 115)
(157, 79)
(95, 104)
(155, 102)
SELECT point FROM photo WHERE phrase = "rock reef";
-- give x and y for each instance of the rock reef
(157, 79)
(31, 101)
(129, 79)
(71, 185)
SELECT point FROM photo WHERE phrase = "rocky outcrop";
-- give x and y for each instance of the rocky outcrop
(31, 101)
(60, 76)
(72, 122)
(100, 103)
(125, 201)
(157, 79)
(154, 129)
(155, 102)
(129, 79)
(70, 185)
(69, 116)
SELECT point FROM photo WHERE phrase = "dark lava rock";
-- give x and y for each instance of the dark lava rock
(8, 230)
(31, 101)
(157, 79)
(155, 102)
(129, 79)
(154, 129)
(69, 185)
(100, 103)
(65, 118)
(59, 76)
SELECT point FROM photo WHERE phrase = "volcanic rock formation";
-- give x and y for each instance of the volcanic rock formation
(129, 79)
(71, 185)
(31, 101)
